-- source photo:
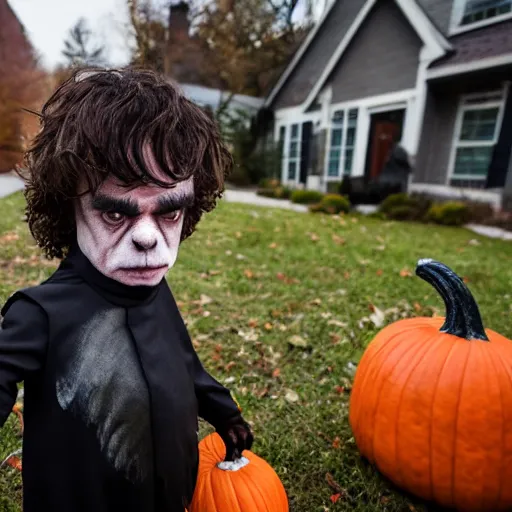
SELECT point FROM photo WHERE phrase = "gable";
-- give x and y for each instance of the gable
(439, 11)
(315, 59)
(383, 57)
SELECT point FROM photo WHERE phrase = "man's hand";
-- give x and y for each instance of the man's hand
(237, 437)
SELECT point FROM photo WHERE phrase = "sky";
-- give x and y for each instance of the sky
(48, 22)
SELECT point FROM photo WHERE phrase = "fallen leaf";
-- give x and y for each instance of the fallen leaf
(417, 307)
(9, 237)
(230, 365)
(336, 497)
(298, 341)
(253, 322)
(314, 237)
(273, 245)
(240, 257)
(338, 239)
(379, 272)
(316, 302)
(337, 323)
(291, 396)
(465, 279)
(346, 275)
(333, 484)
(248, 273)
(268, 326)
(381, 248)
(377, 317)
(340, 390)
(405, 272)
(238, 235)
(276, 373)
(204, 299)
(473, 242)
(229, 380)
(336, 443)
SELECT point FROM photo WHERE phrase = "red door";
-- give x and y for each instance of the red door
(385, 134)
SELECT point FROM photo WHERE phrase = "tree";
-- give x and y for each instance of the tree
(77, 48)
(149, 31)
(22, 85)
(251, 40)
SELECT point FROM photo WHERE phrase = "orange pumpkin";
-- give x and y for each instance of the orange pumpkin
(431, 403)
(246, 485)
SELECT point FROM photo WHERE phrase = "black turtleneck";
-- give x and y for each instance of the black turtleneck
(113, 388)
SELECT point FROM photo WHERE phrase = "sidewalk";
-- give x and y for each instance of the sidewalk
(10, 183)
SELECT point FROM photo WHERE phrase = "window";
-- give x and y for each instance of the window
(342, 143)
(293, 164)
(470, 12)
(477, 134)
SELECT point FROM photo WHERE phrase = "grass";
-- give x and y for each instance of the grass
(250, 281)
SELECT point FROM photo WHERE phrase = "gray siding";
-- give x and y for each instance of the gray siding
(383, 56)
(434, 152)
(439, 11)
(313, 62)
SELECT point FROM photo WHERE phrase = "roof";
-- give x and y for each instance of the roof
(213, 97)
(426, 30)
(487, 42)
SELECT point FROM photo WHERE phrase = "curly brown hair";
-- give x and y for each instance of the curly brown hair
(95, 126)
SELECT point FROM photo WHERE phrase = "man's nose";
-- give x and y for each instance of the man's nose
(144, 237)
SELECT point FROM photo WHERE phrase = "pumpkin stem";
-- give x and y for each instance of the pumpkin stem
(462, 314)
(235, 465)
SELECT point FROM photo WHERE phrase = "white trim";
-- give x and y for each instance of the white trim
(468, 67)
(490, 196)
(298, 55)
(433, 40)
(456, 143)
(401, 105)
(458, 13)
(384, 101)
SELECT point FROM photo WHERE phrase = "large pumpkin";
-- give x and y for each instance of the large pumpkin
(246, 485)
(431, 403)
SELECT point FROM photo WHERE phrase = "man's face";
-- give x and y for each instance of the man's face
(132, 235)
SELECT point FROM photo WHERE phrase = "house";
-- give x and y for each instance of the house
(214, 98)
(432, 75)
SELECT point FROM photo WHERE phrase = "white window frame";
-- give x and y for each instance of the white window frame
(285, 157)
(343, 147)
(459, 7)
(488, 101)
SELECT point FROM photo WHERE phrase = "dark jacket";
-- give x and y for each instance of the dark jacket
(113, 389)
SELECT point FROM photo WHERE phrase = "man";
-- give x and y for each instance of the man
(120, 173)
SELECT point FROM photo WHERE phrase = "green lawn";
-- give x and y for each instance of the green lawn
(251, 281)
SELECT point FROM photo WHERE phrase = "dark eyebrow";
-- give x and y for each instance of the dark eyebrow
(115, 204)
(174, 203)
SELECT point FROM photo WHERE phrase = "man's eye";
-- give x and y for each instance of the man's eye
(113, 217)
(172, 216)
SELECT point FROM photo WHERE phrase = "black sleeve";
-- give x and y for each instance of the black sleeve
(23, 340)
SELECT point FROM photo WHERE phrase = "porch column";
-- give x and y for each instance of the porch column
(506, 198)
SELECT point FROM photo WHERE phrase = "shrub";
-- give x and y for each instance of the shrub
(451, 213)
(266, 192)
(479, 212)
(306, 196)
(269, 183)
(393, 201)
(276, 193)
(282, 192)
(405, 207)
(332, 203)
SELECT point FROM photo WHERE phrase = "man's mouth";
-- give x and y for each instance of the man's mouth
(144, 271)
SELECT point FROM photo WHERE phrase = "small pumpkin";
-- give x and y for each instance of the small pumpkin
(431, 404)
(248, 484)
